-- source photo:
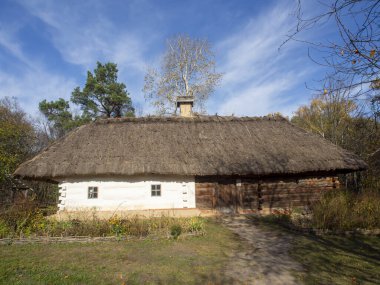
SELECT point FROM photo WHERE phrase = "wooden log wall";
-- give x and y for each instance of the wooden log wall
(245, 194)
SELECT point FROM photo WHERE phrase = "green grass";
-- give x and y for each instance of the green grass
(337, 259)
(191, 260)
(330, 259)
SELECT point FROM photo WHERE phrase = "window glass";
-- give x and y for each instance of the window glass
(156, 190)
(92, 192)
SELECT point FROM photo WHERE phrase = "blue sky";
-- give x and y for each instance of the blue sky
(46, 48)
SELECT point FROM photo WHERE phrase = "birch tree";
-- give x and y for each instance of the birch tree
(329, 114)
(187, 69)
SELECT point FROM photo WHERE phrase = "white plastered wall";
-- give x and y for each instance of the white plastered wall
(127, 194)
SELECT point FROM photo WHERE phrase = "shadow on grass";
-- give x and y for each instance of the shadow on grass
(138, 277)
(331, 259)
(203, 279)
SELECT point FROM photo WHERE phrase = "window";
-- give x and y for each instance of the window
(92, 192)
(156, 190)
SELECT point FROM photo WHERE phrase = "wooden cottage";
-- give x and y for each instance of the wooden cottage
(193, 162)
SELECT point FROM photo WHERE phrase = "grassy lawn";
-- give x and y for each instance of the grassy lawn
(330, 259)
(193, 260)
(338, 260)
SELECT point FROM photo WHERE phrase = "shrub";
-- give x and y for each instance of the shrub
(301, 220)
(344, 210)
(196, 224)
(26, 222)
(21, 218)
(4, 229)
(175, 231)
(116, 224)
(278, 216)
(136, 226)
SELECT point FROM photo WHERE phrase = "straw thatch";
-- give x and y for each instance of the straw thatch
(188, 146)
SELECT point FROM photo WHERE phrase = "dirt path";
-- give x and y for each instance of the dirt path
(263, 257)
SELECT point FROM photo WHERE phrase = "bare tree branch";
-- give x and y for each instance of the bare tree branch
(187, 69)
(354, 57)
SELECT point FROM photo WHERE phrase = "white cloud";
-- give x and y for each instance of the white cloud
(128, 52)
(260, 99)
(34, 86)
(257, 75)
(83, 34)
(30, 82)
(9, 43)
(258, 79)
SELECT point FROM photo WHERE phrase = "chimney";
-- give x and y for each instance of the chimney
(185, 105)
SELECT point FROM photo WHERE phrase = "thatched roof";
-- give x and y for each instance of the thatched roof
(208, 145)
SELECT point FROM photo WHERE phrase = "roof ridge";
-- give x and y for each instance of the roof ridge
(203, 118)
